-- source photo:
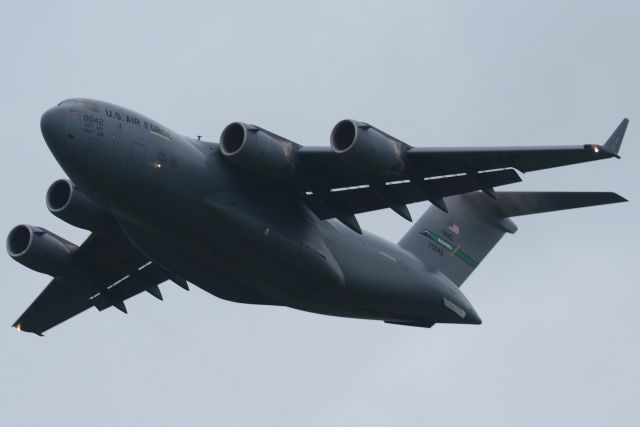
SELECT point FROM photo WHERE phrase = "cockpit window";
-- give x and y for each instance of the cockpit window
(87, 105)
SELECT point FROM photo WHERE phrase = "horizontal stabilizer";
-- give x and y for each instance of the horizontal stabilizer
(518, 203)
(457, 241)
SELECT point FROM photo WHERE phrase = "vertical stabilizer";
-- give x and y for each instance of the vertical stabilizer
(455, 242)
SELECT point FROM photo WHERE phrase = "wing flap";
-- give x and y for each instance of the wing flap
(337, 204)
(145, 279)
(517, 203)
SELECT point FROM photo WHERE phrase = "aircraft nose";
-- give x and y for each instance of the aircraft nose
(52, 124)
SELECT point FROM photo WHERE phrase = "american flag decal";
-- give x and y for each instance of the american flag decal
(454, 229)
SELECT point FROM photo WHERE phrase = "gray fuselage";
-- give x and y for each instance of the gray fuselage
(237, 235)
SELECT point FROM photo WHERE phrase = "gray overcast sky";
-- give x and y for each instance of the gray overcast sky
(559, 300)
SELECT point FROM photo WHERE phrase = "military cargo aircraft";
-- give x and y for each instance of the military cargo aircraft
(260, 219)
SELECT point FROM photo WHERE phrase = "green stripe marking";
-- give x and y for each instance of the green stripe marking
(450, 247)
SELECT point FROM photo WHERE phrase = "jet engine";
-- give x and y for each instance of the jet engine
(258, 150)
(40, 250)
(69, 204)
(368, 148)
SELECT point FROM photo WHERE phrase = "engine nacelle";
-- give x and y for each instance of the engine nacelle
(40, 250)
(368, 148)
(69, 204)
(257, 150)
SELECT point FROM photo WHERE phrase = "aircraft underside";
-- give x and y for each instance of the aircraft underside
(260, 219)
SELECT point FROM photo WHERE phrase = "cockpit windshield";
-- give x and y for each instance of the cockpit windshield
(79, 103)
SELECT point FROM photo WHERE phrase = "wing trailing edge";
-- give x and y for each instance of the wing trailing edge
(343, 204)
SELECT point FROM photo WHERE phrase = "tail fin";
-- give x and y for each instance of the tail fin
(457, 241)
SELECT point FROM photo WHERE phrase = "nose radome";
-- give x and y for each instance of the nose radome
(52, 124)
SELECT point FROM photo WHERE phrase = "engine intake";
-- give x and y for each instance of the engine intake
(65, 201)
(368, 148)
(257, 150)
(40, 250)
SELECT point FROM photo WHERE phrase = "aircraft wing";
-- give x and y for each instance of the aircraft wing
(429, 174)
(110, 271)
(424, 162)
(442, 161)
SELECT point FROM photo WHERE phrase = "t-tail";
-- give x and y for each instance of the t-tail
(456, 242)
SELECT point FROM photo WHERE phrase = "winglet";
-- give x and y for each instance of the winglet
(615, 140)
